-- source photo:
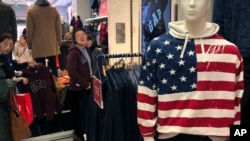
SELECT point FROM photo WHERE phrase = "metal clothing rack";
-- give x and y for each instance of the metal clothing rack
(100, 59)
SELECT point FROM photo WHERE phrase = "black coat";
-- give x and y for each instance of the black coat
(8, 20)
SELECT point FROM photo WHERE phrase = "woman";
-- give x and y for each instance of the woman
(6, 45)
(80, 71)
(94, 52)
(21, 52)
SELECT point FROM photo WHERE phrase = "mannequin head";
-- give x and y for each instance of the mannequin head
(75, 14)
(194, 10)
(71, 29)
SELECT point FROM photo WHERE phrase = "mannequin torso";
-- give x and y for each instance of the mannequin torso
(182, 68)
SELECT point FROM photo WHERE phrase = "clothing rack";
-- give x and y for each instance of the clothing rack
(100, 59)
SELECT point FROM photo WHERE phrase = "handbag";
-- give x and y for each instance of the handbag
(19, 128)
(24, 105)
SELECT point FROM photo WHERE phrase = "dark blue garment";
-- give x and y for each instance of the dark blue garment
(5, 131)
(11, 65)
(108, 111)
(245, 102)
(113, 125)
(8, 65)
(233, 17)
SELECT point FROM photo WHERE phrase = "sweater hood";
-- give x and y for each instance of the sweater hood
(73, 48)
(177, 30)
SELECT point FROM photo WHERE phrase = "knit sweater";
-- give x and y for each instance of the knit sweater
(189, 85)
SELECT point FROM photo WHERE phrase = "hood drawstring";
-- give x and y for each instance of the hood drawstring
(185, 45)
(203, 51)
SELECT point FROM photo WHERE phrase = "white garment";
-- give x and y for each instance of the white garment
(22, 53)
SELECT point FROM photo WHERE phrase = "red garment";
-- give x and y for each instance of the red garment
(104, 34)
(76, 23)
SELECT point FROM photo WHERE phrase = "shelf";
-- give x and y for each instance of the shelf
(96, 19)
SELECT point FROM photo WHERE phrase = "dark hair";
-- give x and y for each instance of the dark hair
(24, 36)
(74, 32)
(5, 36)
(24, 31)
(90, 37)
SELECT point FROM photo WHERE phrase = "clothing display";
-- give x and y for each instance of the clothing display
(44, 33)
(43, 37)
(117, 121)
(76, 22)
(43, 91)
(187, 72)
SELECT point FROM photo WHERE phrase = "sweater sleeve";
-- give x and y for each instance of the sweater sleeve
(147, 96)
(239, 88)
(58, 29)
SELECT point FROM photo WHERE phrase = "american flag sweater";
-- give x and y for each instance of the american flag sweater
(198, 94)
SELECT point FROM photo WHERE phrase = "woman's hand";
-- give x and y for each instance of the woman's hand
(25, 80)
(18, 79)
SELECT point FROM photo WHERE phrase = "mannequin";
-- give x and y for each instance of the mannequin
(44, 38)
(178, 96)
(8, 18)
(76, 21)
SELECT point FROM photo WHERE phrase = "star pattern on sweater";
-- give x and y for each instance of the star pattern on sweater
(170, 74)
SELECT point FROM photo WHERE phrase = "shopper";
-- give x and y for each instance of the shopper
(7, 14)
(191, 81)
(234, 22)
(11, 65)
(44, 33)
(21, 52)
(79, 66)
(6, 45)
(94, 52)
